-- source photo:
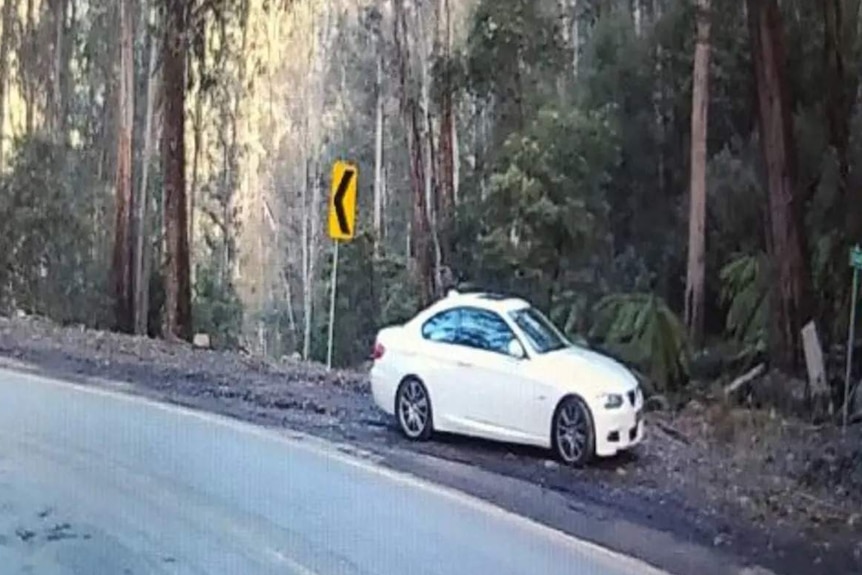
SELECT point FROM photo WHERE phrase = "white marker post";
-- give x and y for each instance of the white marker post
(856, 264)
(332, 294)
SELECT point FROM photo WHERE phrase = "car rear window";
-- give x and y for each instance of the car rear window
(442, 327)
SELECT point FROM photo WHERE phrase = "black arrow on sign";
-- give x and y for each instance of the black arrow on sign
(338, 201)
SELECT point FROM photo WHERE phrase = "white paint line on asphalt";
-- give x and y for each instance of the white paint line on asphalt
(321, 447)
(292, 564)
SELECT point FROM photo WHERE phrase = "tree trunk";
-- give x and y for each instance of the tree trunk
(446, 182)
(576, 39)
(790, 297)
(419, 235)
(8, 18)
(378, 156)
(697, 209)
(637, 16)
(852, 29)
(197, 126)
(456, 163)
(319, 49)
(28, 69)
(56, 96)
(143, 248)
(307, 300)
(838, 103)
(430, 165)
(306, 255)
(841, 86)
(122, 262)
(178, 321)
(234, 161)
(313, 239)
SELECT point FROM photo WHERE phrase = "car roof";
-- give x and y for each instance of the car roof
(500, 303)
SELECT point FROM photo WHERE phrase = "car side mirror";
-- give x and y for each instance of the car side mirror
(516, 350)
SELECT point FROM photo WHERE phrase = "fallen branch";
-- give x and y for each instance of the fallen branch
(744, 379)
(673, 432)
(834, 512)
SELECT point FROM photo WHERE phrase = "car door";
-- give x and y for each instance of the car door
(493, 391)
(439, 360)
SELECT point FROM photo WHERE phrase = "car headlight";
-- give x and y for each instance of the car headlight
(611, 400)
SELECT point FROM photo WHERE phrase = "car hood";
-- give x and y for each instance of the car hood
(578, 368)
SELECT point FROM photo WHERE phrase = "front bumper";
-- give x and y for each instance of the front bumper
(618, 429)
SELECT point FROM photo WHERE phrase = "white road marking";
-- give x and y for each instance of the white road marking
(291, 564)
(321, 447)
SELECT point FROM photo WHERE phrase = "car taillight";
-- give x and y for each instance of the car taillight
(377, 351)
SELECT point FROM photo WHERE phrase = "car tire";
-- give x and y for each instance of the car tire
(413, 410)
(573, 435)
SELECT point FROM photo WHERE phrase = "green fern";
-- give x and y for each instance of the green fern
(645, 332)
(569, 311)
(743, 292)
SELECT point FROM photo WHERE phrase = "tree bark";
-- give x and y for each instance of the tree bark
(697, 208)
(842, 82)
(419, 235)
(197, 126)
(456, 164)
(56, 86)
(307, 300)
(446, 213)
(576, 39)
(378, 155)
(430, 166)
(178, 320)
(28, 69)
(122, 260)
(235, 152)
(8, 18)
(637, 16)
(144, 244)
(790, 293)
(838, 105)
(318, 50)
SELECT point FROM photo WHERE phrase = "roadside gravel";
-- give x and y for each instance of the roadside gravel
(744, 487)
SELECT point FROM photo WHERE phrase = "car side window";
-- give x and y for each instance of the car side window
(443, 327)
(485, 330)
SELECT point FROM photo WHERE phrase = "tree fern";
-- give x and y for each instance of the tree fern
(743, 292)
(645, 332)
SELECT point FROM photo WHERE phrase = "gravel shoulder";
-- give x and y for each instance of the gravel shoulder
(711, 491)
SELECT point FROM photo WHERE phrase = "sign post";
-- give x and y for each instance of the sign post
(342, 217)
(856, 264)
(332, 289)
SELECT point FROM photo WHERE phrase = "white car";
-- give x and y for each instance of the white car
(495, 367)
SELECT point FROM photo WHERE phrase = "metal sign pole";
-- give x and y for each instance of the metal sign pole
(332, 305)
(850, 338)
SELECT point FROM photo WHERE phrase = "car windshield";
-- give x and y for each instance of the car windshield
(543, 336)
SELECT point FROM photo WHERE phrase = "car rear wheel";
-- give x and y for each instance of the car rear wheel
(573, 433)
(413, 408)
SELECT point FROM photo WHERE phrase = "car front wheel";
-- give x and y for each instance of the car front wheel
(573, 434)
(413, 408)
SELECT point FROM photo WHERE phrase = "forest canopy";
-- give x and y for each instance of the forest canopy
(662, 177)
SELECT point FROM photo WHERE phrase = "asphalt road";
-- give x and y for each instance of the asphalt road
(93, 482)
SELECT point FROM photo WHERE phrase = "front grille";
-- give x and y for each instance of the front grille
(632, 396)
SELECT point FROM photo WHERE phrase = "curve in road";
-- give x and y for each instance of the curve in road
(96, 482)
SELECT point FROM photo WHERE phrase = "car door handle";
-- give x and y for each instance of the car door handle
(463, 364)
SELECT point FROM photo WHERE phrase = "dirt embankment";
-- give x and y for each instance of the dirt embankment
(779, 492)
